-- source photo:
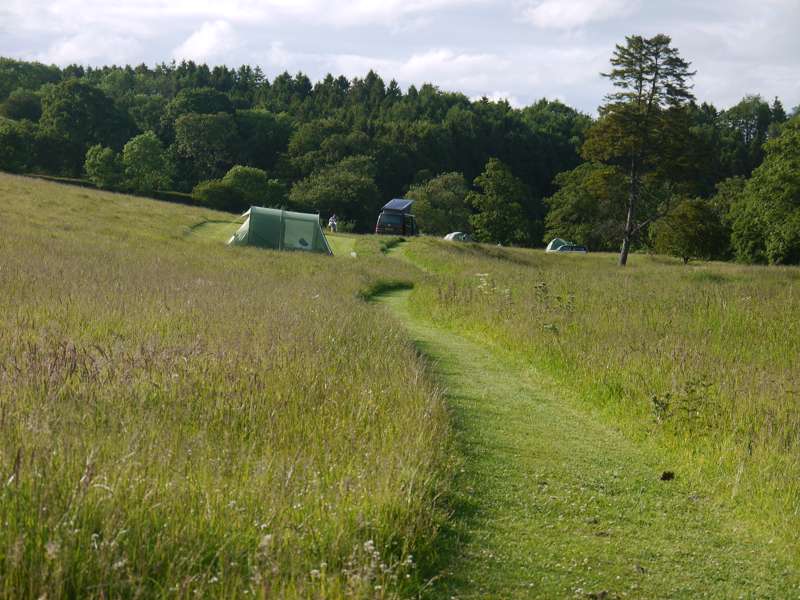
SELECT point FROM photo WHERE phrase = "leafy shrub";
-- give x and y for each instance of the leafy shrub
(256, 187)
(691, 230)
(219, 195)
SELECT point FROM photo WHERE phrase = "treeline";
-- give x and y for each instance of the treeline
(232, 137)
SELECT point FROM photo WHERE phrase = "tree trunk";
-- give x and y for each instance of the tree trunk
(633, 196)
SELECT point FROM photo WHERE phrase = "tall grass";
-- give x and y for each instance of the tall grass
(703, 358)
(178, 418)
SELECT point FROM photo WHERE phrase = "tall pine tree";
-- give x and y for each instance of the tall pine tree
(633, 131)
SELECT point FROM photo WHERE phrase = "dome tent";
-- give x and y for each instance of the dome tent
(555, 244)
(281, 230)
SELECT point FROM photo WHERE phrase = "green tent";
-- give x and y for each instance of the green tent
(281, 230)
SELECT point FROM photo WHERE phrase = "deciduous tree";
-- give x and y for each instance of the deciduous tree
(766, 219)
(692, 229)
(103, 167)
(209, 141)
(346, 188)
(499, 216)
(441, 204)
(589, 206)
(147, 167)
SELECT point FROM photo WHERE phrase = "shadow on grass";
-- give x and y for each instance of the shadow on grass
(437, 561)
(383, 286)
(205, 222)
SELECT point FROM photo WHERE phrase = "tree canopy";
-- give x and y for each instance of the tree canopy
(766, 216)
(441, 204)
(347, 145)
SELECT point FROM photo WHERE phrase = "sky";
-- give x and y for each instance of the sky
(521, 50)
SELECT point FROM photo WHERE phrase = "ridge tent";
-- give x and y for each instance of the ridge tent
(281, 230)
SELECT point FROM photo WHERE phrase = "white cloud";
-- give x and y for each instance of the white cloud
(53, 15)
(572, 14)
(498, 96)
(212, 40)
(89, 47)
(451, 69)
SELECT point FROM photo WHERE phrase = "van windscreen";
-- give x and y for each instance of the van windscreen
(390, 219)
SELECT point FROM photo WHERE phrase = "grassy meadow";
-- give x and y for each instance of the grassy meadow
(182, 419)
(700, 359)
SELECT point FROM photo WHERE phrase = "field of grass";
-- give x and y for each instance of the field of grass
(183, 419)
(551, 502)
(701, 360)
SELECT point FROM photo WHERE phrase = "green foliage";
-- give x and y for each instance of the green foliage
(589, 207)
(145, 110)
(766, 217)
(692, 229)
(499, 216)
(294, 130)
(18, 74)
(220, 195)
(264, 136)
(440, 204)
(202, 100)
(83, 116)
(255, 187)
(744, 129)
(643, 123)
(103, 167)
(250, 182)
(146, 165)
(208, 140)
(22, 104)
(346, 188)
(16, 146)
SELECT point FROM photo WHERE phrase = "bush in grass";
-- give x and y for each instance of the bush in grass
(693, 229)
(219, 195)
(255, 187)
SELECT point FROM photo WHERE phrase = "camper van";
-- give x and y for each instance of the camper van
(396, 218)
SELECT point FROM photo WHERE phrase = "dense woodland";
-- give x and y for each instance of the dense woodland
(722, 184)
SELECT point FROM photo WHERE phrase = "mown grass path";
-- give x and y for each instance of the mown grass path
(550, 503)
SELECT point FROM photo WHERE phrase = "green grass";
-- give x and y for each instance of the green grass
(342, 244)
(183, 419)
(218, 230)
(551, 503)
(700, 359)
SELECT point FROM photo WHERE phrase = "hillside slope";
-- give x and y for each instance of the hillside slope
(179, 418)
